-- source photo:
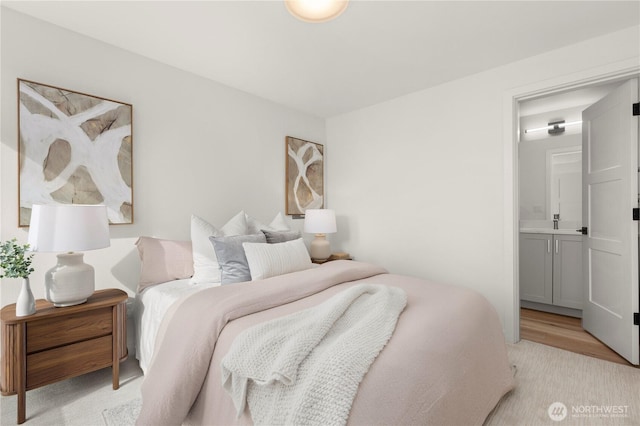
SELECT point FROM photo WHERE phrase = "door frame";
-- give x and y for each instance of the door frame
(606, 74)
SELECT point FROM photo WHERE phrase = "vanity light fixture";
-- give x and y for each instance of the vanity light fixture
(554, 127)
(316, 11)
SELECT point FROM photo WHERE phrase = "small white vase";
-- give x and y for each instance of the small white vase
(26, 304)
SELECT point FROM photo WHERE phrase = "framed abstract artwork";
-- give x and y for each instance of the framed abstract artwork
(73, 148)
(304, 176)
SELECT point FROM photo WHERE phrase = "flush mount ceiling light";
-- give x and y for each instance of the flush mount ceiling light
(316, 11)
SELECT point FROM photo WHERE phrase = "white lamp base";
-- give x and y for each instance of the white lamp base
(320, 249)
(70, 282)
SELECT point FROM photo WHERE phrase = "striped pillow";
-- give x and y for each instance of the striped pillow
(269, 260)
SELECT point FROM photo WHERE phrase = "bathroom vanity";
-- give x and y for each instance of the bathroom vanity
(551, 270)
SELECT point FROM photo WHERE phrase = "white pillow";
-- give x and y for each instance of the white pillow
(205, 263)
(269, 260)
(277, 224)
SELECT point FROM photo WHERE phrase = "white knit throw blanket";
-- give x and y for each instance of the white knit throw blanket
(305, 368)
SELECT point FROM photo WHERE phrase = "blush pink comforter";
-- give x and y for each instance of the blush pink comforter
(446, 363)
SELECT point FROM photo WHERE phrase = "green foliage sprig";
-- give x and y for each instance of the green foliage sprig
(13, 261)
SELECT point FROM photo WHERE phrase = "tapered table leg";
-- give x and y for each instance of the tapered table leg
(21, 365)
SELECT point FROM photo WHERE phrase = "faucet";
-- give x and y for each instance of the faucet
(556, 219)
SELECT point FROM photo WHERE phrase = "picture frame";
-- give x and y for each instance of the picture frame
(73, 148)
(304, 176)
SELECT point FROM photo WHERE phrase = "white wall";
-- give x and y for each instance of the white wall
(419, 181)
(198, 146)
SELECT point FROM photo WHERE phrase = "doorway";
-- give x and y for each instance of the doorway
(543, 186)
(550, 213)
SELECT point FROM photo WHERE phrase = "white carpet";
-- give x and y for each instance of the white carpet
(594, 392)
(590, 389)
(79, 401)
(124, 414)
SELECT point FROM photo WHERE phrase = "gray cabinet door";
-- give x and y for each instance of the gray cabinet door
(567, 271)
(536, 271)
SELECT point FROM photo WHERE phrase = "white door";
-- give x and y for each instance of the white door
(610, 192)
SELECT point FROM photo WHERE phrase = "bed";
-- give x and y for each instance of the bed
(445, 363)
(425, 353)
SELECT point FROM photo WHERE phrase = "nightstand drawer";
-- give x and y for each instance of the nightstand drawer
(54, 332)
(68, 361)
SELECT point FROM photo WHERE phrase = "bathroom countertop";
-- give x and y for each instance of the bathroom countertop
(571, 231)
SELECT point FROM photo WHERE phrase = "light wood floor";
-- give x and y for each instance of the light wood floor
(565, 333)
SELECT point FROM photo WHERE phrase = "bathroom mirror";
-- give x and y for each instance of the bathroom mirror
(564, 183)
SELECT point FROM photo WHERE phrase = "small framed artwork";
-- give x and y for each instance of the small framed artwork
(73, 148)
(304, 176)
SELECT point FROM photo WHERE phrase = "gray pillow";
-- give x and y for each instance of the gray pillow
(274, 237)
(234, 267)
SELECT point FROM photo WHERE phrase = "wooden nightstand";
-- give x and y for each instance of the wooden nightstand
(334, 256)
(59, 343)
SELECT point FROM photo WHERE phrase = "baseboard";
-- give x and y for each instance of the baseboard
(560, 310)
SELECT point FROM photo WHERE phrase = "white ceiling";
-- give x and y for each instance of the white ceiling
(375, 51)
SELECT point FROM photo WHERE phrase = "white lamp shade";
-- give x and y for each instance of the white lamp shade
(68, 227)
(320, 221)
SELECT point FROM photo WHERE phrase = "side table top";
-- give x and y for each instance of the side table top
(45, 309)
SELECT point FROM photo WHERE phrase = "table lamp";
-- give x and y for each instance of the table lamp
(320, 222)
(69, 228)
